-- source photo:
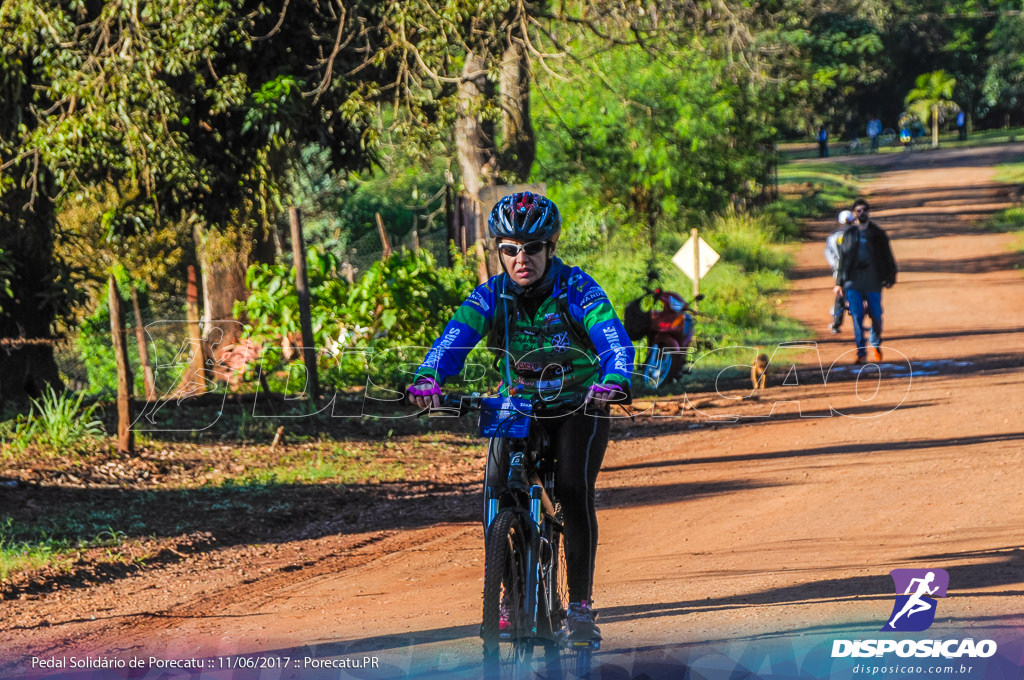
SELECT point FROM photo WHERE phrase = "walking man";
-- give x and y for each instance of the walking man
(866, 266)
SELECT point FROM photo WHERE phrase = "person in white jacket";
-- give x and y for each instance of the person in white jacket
(832, 243)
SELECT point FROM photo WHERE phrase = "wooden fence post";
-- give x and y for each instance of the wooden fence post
(385, 243)
(125, 436)
(302, 287)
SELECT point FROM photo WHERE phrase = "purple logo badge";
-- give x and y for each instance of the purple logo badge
(915, 592)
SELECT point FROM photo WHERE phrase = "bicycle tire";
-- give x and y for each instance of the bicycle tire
(655, 368)
(508, 654)
(563, 661)
(661, 365)
(555, 596)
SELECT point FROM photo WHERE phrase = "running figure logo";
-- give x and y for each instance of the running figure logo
(914, 609)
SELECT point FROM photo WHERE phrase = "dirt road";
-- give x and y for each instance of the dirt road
(739, 538)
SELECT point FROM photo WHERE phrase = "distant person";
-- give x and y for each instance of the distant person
(905, 120)
(822, 142)
(961, 125)
(874, 130)
(832, 244)
(866, 266)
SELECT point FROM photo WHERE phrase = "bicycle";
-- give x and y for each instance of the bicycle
(855, 146)
(524, 563)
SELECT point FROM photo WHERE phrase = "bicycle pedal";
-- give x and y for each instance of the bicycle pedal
(585, 644)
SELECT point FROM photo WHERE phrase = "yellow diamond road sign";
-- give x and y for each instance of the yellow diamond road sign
(684, 258)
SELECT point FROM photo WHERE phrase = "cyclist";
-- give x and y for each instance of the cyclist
(555, 333)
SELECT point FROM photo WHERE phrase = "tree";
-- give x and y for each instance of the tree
(659, 141)
(930, 98)
(36, 289)
(1004, 80)
(174, 114)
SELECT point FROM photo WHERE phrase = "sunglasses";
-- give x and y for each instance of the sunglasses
(513, 249)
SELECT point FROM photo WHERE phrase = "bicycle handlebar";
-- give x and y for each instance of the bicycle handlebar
(464, 403)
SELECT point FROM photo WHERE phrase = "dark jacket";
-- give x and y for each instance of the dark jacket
(881, 254)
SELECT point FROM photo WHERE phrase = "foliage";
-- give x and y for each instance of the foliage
(57, 424)
(656, 142)
(89, 361)
(137, 124)
(750, 241)
(1004, 80)
(400, 302)
(825, 57)
(6, 273)
(742, 290)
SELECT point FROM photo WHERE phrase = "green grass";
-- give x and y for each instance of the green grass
(1010, 220)
(948, 139)
(25, 547)
(77, 519)
(57, 424)
(22, 555)
(338, 466)
(810, 189)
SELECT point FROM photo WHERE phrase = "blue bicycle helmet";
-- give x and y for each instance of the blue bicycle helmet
(525, 216)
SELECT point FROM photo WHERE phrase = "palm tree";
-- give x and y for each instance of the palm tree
(931, 95)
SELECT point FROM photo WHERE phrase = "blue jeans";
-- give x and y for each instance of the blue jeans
(856, 301)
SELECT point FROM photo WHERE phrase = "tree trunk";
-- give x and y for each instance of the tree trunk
(302, 289)
(518, 147)
(27, 220)
(194, 379)
(148, 378)
(475, 150)
(224, 256)
(125, 436)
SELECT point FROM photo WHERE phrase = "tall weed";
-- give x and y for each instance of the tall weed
(56, 423)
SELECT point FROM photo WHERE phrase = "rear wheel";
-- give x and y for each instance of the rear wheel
(562, 661)
(577, 664)
(508, 645)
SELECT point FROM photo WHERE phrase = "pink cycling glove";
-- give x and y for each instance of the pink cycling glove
(603, 394)
(425, 392)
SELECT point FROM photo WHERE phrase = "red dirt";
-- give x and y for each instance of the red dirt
(719, 539)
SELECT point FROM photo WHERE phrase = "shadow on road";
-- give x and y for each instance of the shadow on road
(1006, 570)
(887, 446)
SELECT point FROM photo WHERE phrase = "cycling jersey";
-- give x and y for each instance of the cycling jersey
(546, 354)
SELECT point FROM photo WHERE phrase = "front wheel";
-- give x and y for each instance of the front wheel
(660, 365)
(508, 644)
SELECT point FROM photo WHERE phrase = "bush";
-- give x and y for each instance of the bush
(56, 424)
(360, 329)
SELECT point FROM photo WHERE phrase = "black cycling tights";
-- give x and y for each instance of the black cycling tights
(579, 442)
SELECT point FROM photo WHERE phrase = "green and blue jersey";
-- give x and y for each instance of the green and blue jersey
(547, 353)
